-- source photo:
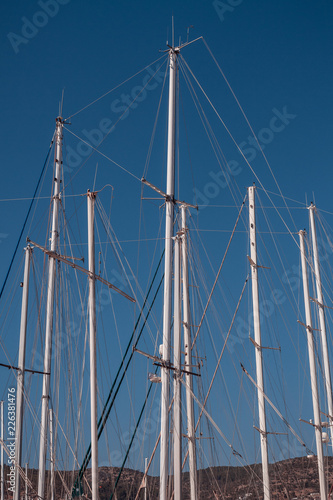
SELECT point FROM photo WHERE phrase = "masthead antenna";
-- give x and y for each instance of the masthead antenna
(62, 102)
(188, 32)
(173, 31)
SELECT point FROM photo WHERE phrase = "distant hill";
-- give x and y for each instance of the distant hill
(290, 479)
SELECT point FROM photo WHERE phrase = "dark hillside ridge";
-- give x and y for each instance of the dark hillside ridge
(290, 479)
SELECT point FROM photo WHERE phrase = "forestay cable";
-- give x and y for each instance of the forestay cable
(26, 219)
(250, 127)
(309, 452)
(114, 88)
(108, 405)
(241, 152)
(218, 274)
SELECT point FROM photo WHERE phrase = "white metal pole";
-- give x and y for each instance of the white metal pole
(146, 482)
(169, 217)
(188, 362)
(258, 347)
(313, 373)
(51, 454)
(322, 322)
(49, 311)
(92, 329)
(177, 415)
(2, 458)
(26, 481)
(20, 374)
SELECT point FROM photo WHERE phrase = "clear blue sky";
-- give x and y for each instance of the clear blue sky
(274, 54)
(277, 57)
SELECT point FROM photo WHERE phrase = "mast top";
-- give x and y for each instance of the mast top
(173, 49)
(91, 194)
(60, 120)
(176, 50)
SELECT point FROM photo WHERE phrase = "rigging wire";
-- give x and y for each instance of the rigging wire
(114, 88)
(145, 170)
(102, 154)
(277, 411)
(26, 219)
(109, 132)
(241, 153)
(153, 453)
(218, 362)
(215, 144)
(106, 410)
(218, 274)
(225, 439)
(144, 303)
(132, 438)
(247, 121)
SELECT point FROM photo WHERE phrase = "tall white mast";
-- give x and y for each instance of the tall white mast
(2, 479)
(146, 482)
(177, 415)
(258, 347)
(169, 209)
(49, 310)
(322, 322)
(188, 362)
(92, 329)
(26, 482)
(313, 374)
(20, 374)
(51, 454)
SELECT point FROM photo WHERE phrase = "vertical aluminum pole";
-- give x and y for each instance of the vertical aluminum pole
(258, 348)
(322, 322)
(2, 479)
(177, 411)
(49, 312)
(146, 482)
(92, 329)
(169, 209)
(20, 373)
(26, 482)
(313, 373)
(51, 454)
(188, 362)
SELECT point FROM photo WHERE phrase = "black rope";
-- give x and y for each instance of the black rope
(132, 439)
(106, 410)
(26, 220)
